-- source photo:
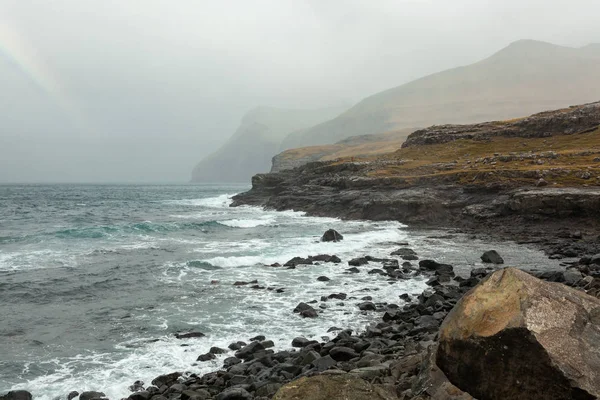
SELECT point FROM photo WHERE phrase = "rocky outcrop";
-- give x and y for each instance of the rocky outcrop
(570, 121)
(517, 337)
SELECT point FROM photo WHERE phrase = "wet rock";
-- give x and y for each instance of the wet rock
(357, 262)
(167, 379)
(437, 268)
(492, 256)
(217, 350)
(334, 387)
(338, 296)
(326, 258)
(267, 344)
(323, 279)
(140, 395)
(71, 395)
(410, 257)
(302, 342)
(268, 390)
(324, 363)
(367, 306)
(206, 357)
(405, 251)
(231, 361)
(189, 335)
(353, 270)
(312, 313)
(515, 336)
(331, 235)
(25, 395)
(258, 338)
(298, 261)
(302, 307)
(90, 395)
(236, 345)
(248, 351)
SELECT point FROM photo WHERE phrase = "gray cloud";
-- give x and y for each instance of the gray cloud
(146, 88)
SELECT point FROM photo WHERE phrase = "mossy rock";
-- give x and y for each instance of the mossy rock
(334, 387)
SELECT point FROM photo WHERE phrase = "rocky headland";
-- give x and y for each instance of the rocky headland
(534, 179)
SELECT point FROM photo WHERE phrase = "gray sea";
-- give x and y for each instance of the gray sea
(95, 280)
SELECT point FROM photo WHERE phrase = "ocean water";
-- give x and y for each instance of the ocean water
(95, 280)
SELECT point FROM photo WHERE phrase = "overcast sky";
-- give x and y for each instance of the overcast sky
(141, 90)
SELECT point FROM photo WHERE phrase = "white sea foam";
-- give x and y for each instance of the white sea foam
(249, 223)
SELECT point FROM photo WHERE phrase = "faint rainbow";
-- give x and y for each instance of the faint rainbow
(15, 48)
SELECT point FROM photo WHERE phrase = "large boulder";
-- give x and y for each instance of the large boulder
(17, 395)
(331, 235)
(334, 387)
(514, 336)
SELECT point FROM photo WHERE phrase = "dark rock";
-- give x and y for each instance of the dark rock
(312, 313)
(367, 306)
(25, 395)
(339, 296)
(326, 258)
(199, 394)
(492, 256)
(298, 261)
(240, 283)
(258, 338)
(405, 251)
(167, 379)
(301, 307)
(189, 335)
(439, 269)
(342, 353)
(410, 257)
(236, 345)
(206, 357)
(70, 396)
(331, 235)
(323, 279)
(217, 350)
(376, 271)
(405, 296)
(595, 260)
(357, 262)
(353, 270)
(141, 395)
(247, 352)
(268, 390)
(302, 342)
(234, 394)
(231, 361)
(479, 272)
(267, 344)
(90, 395)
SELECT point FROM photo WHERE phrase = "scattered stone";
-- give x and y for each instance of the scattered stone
(206, 357)
(492, 256)
(353, 270)
(167, 379)
(367, 306)
(235, 393)
(298, 261)
(189, 335)
(90, 395)
(331, 235)
(70, 396)
(404, 251)
(342, 353)
(323, 279)
(357, 262)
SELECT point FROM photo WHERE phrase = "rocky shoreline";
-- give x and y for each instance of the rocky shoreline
(394, 358)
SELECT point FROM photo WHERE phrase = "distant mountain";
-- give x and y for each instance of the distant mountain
(257, 139)
(525, 77)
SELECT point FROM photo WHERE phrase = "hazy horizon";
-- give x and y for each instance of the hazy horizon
(139, 92)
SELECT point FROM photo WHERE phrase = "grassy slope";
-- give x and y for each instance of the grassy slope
(507, 160)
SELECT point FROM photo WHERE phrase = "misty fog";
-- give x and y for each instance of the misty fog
(140, 91)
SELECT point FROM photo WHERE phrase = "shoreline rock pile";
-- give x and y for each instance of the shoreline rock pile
(539, 337)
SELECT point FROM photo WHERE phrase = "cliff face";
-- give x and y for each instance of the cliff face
(251, 147)
(523, 78)
(546, 166)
